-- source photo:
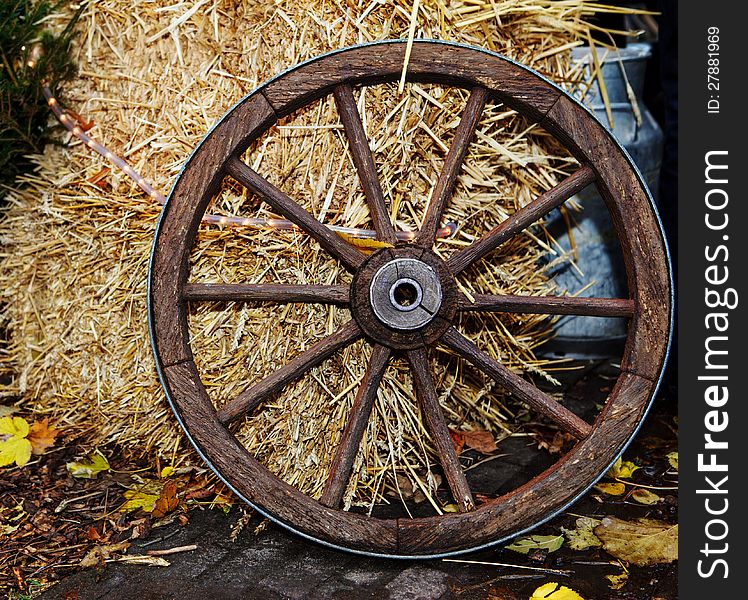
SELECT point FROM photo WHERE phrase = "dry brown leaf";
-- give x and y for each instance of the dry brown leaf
(42, 436)
(642, 542)
(167, 500)
(480, 440)
(458, 439)
(612, 489)
(99, 554)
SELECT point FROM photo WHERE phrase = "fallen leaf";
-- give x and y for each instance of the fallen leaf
(612, 489)
(643, 496)
(15, 450)
(548, 591)
(672, 458)
(450, 508)
(139, 500)
(144, 559)
(642, 542)
(14, 427)
(42, 436)
(98, 554)
(557, 444)
(617, 581)
(6, 411)
(90, 467)
(167, 472)
(458, 440)
(167, 500)
(365, 244)
(622, 469)
(583, 536)
(480, 440)
(14, 445)
(523, 545)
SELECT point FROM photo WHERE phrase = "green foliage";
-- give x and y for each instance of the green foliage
(29, 56)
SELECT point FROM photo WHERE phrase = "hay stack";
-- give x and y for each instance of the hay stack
(154, 78)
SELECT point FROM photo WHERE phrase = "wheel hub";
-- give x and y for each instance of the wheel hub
(405, 294)
(404, 297)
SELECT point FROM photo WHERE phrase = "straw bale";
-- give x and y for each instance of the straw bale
(154, 76)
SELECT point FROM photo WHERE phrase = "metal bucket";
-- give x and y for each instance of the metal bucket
(597, 248)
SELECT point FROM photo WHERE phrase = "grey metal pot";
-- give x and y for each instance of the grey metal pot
(598, 251)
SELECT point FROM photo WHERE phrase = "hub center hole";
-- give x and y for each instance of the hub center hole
(406, 294)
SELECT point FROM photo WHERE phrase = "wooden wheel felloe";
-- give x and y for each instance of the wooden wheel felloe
(404, 299)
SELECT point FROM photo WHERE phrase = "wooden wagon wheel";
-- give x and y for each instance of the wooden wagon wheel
(404, 299)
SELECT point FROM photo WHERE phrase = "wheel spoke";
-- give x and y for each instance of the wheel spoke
(522, 219)
(523, 390)
(362, 158)
(452, 163)
(280, 202)
(342, 462)
(267, 292)
(437, 426)
(549, 305)
(258, 393)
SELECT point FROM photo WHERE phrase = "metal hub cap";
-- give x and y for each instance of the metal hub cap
(405, 294)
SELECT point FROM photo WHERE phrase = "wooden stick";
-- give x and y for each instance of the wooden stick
(452, 164)
(276, 381)
(549, 305)
(267, 292)
(362, 158)
(434, 419)
(342, 462)
(523, 390)
(331, 242)
(522, 219)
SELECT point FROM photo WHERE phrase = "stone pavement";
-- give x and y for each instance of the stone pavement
(277, 564)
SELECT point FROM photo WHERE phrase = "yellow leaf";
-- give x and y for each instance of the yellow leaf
(15, 450)
(548, 591)
(643, 496)
(612, 489)
(523, 545)
(14, 426)
(167, 472)
(137, 499)
(617, 581)
(364, 243)
(450, 508)
(42, 436)
(672, 458)
(642, 542)
(582, 537)
(88, 468)
(622, 469)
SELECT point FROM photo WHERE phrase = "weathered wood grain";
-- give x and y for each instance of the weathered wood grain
(437, 427)
(522, 219)
(445, 184)
(364, 162)
(266, 292)
(255, 483)
(545, 493)
(280, 201)
(350, 440)
(637, 229)
(521, 389)
(184, 209)
(251, 398)
(429, 62)
(549, 305)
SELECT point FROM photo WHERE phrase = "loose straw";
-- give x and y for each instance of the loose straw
(255, 222)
